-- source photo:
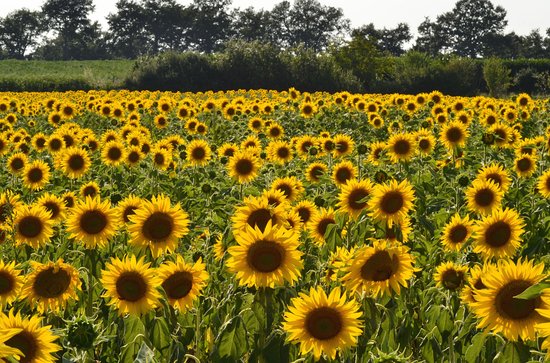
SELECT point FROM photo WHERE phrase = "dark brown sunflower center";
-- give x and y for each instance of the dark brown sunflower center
(30, 226)
(275, 132)
(178, 285)
(53, 208)
(323, 225)
(35, 175)
(342, 146)
(484, 197)
(114, 153)
(501, 134)
(307, 110)
(93, 222)
(55, 144)
(7, 282)
(424, 144)
(133, 157)
(495, 178)
(76, 162)
(479, 285)
(244, 167)
(159, 159)
(454, 134)
(265, 256)
(524, 164)
(69, 201)
(305, 214)
(26, 343)
(198, 153)
(452, 279)
(379, 267)
(392, 202)
(17, 164)
(343, 175)
(131, 286)
(512, 308)
(324, 323)
(259, 218)
(547, 183)
(50, 284)
(306, 145)
(158, 227)
(316, 172)
(89, 191)
(402, 147)
(283, 152)
(128, 211)
(286, 189)
(498, 234)
(458, 233)
(356, 199)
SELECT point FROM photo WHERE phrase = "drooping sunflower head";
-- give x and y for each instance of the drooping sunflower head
(182, 282)
(158, 225)
(497, 306)
(34, 341)
(392, 201)
(93, 222)
(323, 324)
(266, 258)
(354, 196)
(379, 269)
(483, 196)
(49, 286)
(451, 276)
(499, 234)
(130, 285)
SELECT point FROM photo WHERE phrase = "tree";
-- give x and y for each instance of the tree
(497, 76)
(503, 46)
(128, 36)
(533, 45)
(168, 23)
(19, 31)
(390, 41)
(251, 25)
(211, 24)
(463, 30)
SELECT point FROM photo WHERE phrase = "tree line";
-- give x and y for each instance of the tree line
(63, 30)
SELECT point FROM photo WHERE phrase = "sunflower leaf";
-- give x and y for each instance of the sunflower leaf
(533, 291)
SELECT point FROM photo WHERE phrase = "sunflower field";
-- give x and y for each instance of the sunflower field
(266, 226)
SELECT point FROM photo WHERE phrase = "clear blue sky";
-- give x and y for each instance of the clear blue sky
(523, 15)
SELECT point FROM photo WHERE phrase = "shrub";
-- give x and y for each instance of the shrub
(497, 76)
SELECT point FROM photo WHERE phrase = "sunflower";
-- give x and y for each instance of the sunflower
(256, 124)
(391, 201)
(425, 144)
(543, 185)
(198, 152)
(161, 158)
(499, 234)
(182, 282)
(10, 283)
(89, 189)
(35, 342)
(127, 207)
(290, 186)
(49, 286)
(343, 172)
(315, 171)
(307, 212)
(131, 285)
(5, 350)
(502, 133)
(499, 310)
(32, 226)
(113, 153)
(158, 225)
(275, 131)
(257, 212)
(53, 204)
(475, 282)
(379, 269)
(483, 196)
(451, 276)
(401, 147)
(92, 221)
(134, 155)
(454, 134)
(525, 165)
(338, 263)
(275, 197)
(75, 162)
(303, 144)
(319, 224)
(279, 152)
(353, 197)
(343, 145)
(376, 152)
(36, 175)
(308, 109)
(456, 232)
(16, 163)
(323, 324)
(69, 199)
(497, 174)
(55, 144)
(243, 166)
(9, 201)
(266, 258)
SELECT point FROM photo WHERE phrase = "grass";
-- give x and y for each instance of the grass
(18, 75)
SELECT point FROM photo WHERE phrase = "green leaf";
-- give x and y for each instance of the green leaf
(474, 350)
(145, 354)
(133, 327)
(233, 340)
(533, 291)
(514, 353)
(159, 335)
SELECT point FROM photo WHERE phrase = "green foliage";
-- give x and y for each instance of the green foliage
(497, 76)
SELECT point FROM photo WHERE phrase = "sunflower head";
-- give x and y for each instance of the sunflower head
(451, 276)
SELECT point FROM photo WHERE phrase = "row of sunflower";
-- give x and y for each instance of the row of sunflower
(273, 226)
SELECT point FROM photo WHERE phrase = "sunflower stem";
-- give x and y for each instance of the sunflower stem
(91, 274)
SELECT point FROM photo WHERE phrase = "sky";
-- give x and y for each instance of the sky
(523, 16)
